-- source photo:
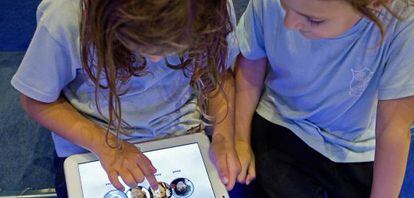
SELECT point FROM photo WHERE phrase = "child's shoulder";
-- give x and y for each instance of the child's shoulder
(405, 11)
(268, 5)
(59, 16)
(267, 9)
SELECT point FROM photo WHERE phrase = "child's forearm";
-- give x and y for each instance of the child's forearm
(390, 163)
(394, 118)
(63, 119)
(222, 150)
(249, 84)
(221, 107)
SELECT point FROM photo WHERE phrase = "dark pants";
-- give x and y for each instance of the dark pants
(287, 167)
(60, 183)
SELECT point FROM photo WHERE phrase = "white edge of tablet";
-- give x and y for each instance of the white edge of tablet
(73, 177)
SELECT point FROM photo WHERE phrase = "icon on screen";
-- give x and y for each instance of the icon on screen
(115, 194)
(138, 192)
(164, 191)
(182, 187)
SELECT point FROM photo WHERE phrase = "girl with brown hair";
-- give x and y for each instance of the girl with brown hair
(103, 74)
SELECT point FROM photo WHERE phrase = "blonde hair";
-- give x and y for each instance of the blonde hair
(365, 7)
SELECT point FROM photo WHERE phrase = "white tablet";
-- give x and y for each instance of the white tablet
(183, 168)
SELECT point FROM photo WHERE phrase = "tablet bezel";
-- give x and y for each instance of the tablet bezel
(72, 175)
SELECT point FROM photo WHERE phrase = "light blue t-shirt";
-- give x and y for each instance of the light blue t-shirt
(326, 91)
(157, 104)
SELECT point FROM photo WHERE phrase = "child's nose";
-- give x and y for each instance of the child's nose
(293, 21)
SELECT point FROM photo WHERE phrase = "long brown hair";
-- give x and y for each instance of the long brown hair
(111, 32)
(366, 8)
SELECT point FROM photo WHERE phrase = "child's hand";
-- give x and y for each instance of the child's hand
(246, 157)
(128, 163)
(224, 157)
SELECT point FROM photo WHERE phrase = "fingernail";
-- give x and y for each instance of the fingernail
(247, 182)
(225, 180)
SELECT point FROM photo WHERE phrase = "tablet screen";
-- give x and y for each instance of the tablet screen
(180, 172)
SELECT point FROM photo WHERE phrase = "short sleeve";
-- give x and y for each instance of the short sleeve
(233, 47)
(45, 69)
(250, 31)
(397, 81)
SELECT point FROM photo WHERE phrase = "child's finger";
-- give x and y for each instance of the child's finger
(113, 178)
(136, 172)
(148, 170)
(241, 178)
(222, 169)
(252, 173)
(234, 169)
(127, 177)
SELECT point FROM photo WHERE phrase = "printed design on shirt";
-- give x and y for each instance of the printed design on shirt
(360, 81)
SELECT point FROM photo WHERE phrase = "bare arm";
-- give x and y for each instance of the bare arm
(249, 84)
(62, 118)
(394, 118)
(221, 106)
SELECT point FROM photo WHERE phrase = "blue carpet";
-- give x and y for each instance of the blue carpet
(17, 22)
(26, 148)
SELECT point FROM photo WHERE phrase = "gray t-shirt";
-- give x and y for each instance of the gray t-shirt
(326, 91)
(157, 104)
